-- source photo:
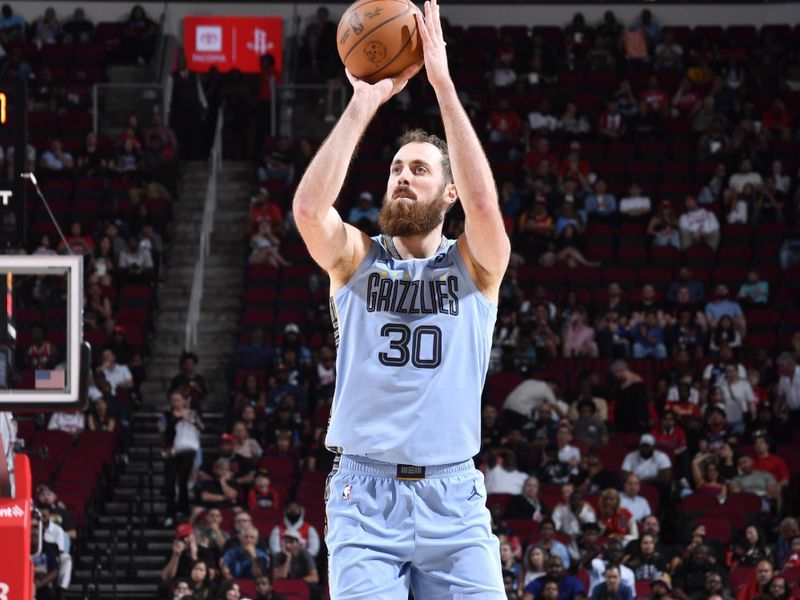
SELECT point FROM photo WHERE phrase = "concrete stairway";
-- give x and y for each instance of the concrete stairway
(223, 283)
(132, 515)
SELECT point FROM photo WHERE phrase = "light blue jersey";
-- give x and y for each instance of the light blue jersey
(414, 338)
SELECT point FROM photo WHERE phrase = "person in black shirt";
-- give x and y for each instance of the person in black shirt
(185, 553)
(243, 470)
(189, 376)
(631, 401)
(527, 505)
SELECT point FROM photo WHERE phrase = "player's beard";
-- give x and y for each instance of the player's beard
(407, 218)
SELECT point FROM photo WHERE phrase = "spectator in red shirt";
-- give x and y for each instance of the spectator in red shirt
(617, 522)
(575, 166)
(669, 435)
(540, 152)
(41, 353)
(778, 120)
(772, 464)
(656, 98)
(262, 209)
(686, 100)
(757, 587)
(504, 123)
(610, 123)
(793, 560)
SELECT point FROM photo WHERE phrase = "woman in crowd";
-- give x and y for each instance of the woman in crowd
(617, 522)
(532, 566)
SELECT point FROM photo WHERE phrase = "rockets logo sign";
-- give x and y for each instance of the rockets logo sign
(232, 42)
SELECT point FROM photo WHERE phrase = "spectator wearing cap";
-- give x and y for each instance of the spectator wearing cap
(294, 520)
(185, 552)
(635, 206)
(220, 492)
(661, 588)
(698, 226)
(647, 463)
(293, 341)
(363, 211)
(600, 205)
(247, 560)
(293, 561)
(241, 468)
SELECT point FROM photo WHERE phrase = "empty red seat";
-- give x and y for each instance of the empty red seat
(293, 589)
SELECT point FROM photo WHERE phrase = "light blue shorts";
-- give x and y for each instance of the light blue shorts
(434, 534)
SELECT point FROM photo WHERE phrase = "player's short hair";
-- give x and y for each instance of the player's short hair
(420, 136)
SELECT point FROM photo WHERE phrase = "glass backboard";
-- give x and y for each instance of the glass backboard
(43, 360)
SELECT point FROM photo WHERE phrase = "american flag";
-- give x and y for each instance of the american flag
(49, 380)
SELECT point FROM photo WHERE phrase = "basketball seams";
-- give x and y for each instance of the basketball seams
(409, 6)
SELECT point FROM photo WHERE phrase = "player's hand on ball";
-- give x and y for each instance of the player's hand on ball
(433, 44)
(385, 88)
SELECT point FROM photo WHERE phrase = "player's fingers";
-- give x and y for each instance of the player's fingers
(437, 21)
(423, 31)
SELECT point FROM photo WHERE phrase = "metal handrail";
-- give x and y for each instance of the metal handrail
(206, 229)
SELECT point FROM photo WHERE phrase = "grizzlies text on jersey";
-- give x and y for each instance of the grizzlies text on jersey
(414, 338)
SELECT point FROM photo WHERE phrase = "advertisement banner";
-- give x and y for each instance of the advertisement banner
(231, 42)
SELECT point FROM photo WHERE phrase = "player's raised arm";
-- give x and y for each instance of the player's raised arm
(336, 246)
(486, 239)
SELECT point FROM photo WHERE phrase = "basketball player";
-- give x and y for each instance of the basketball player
(414, 315)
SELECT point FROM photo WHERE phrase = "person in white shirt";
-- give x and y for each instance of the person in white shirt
(746, 175)
(647, 463)
(504, 477)
(635, 204)
(735, 205)
(739, 399)
(71, 421)
(698, 225)
(571, 514)
(567, 453)
(55, 158)
(8, 437)
(54, 534)
(789, 389)
(542, 119)
(116, 375)
(529, 395)
(612, 555)
(630, 499)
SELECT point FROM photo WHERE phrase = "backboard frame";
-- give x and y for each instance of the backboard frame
(77, 353)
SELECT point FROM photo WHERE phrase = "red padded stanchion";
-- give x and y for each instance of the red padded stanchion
(16, 570)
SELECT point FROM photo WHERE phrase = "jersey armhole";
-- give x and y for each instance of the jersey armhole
(370, 258)
(462, 265)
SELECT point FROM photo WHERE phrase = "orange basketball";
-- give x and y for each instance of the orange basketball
(379, 38)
